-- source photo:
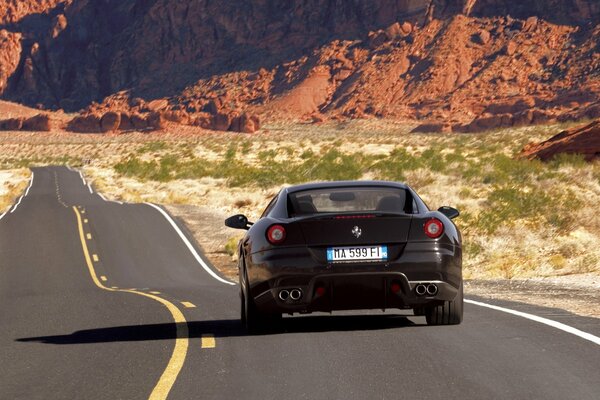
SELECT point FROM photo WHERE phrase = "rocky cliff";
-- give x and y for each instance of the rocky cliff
(457, 64)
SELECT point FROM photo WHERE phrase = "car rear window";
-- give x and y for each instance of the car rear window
(350, 199)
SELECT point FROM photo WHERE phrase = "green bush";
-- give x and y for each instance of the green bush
(152, 147)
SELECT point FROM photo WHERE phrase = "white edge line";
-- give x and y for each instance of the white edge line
(16, 205)
(2, 215)
(541, 320)
(82, 178)
(30, 183)
(91, 190)
(21, 198)
(189, 246)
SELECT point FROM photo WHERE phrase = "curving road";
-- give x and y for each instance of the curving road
(101, 300)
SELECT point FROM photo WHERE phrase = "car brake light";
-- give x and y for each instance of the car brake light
(276, 234)
(355, 216)
(434, 228)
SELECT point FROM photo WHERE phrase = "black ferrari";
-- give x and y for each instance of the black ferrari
(349, 246)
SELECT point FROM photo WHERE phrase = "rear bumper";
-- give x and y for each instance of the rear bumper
(354, 286)
(354, 292)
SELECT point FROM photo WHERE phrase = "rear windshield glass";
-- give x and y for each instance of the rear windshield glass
(351, 199)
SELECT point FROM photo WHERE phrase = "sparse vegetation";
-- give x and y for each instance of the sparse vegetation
(519, 218)
(231, 245)
(12, 184)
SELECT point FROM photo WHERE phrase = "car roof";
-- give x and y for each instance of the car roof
(341, 184)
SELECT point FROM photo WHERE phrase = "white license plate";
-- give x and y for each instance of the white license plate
(357, 253)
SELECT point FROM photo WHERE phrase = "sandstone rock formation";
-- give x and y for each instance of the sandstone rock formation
(584, 140)
(36, 123)
(110, 122)
(11, 124)
(40, 122)
(209, 63)
(115, 122)
(10, 56)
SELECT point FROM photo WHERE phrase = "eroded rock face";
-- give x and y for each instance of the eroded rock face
(11, 124)
(10, 56)
(37, 123)
(277, 58)
(584, 140)
(13, 11)
(110, 122)
(85, 124)
(40, 122)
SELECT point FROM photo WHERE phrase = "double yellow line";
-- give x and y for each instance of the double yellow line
(169, 375)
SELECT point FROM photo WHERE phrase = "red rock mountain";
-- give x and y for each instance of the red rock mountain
(454, 64)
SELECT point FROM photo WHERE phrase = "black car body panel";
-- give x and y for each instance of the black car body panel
(270, 272)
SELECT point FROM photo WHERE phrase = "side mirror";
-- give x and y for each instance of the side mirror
(238, 221)
(449, 212)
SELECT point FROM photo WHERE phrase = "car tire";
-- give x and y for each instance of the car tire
(419, 311)
(243, 308)
(249, 313)
(448, 313)
(252, 319)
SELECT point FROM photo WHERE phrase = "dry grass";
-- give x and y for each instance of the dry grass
(12, 184)
(519, 218)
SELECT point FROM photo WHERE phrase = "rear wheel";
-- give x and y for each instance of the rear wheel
(243, 308)
(252, 319)
(448, 313)
(419, 311)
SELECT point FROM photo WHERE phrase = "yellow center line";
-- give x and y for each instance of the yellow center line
(88, 236)
(95, 257)
(85, 221)
(155, 292)
(103, 278)
(208, 341)
(169, 375)
(187, 304)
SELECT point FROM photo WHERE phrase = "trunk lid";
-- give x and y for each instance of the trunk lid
(348, 230)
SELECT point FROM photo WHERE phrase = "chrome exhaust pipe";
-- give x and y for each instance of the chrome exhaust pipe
(420, 290)
(432, 289)
(284, 294)
(295, 294)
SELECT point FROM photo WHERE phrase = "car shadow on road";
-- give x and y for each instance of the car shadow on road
(226, 328)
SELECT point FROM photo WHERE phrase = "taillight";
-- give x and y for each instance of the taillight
(434, 228)
(276, 234)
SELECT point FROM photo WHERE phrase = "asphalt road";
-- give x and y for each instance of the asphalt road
(101, 300)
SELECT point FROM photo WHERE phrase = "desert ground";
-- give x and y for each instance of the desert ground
(528, 226)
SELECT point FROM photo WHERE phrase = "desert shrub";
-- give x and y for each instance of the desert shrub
(245, 147)
(307, 154)
(194, 168)
(333, 165)
(564, 159)
(506, 205)
(231, 246)
(433, 159)
(395, 166)
(163, 170)
(152, 147)
(501, 169)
